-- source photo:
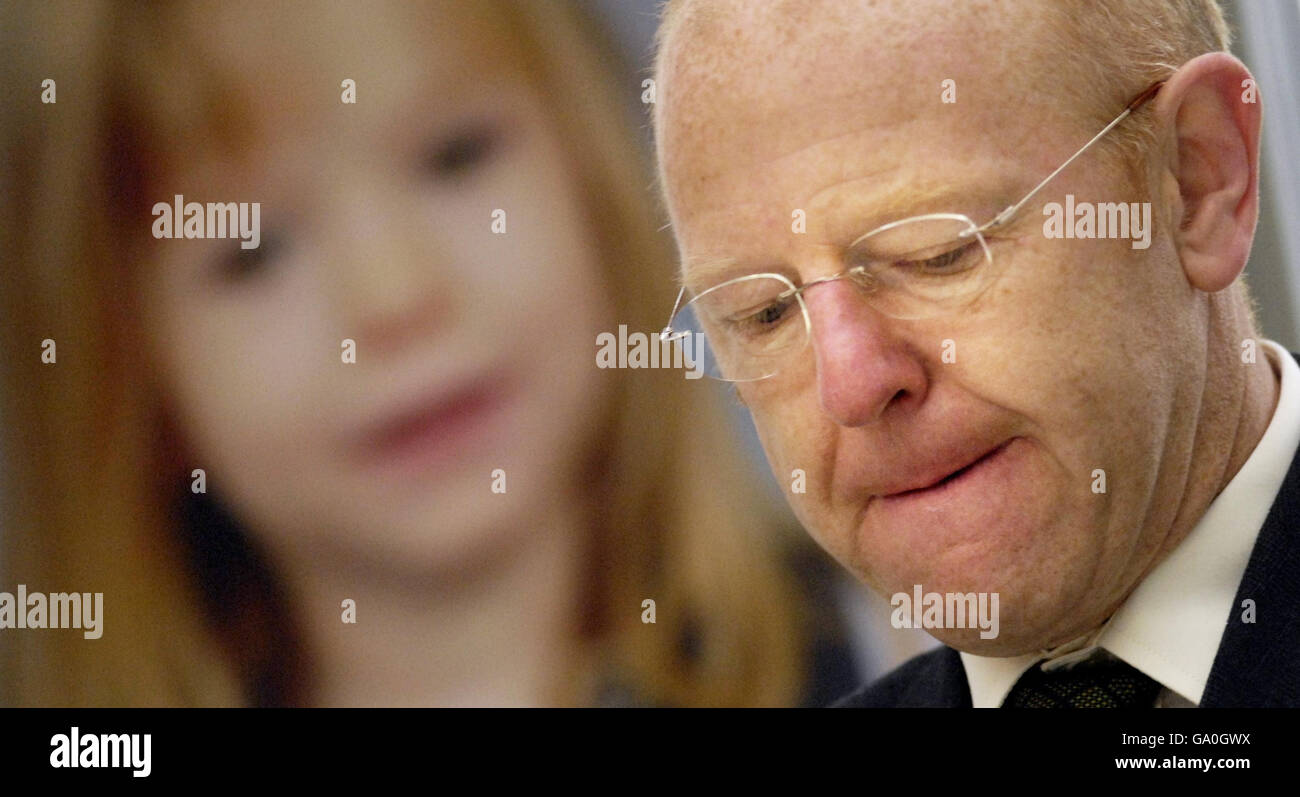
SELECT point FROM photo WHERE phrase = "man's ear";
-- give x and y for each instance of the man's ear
(1211, 109)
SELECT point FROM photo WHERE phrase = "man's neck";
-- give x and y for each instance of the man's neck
(1238, 404)
(1253, 385)
(1259, 402)
(1240, 399)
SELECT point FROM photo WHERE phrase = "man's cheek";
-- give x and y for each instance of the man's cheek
(793, 452)
(780, 444)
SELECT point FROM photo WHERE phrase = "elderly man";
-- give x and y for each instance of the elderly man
(974, 268)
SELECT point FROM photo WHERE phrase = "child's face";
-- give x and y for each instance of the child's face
(473, 349)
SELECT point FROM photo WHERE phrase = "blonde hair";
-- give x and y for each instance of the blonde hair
(87, 444)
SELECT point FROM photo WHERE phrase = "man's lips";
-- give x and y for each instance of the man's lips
(942, 475)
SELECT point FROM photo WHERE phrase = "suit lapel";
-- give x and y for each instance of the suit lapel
(948, 687)
(935, 679)
(1258, 664)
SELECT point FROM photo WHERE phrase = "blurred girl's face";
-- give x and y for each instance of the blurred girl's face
(473, 348)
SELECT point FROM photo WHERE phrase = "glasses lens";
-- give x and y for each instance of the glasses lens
(924, 266)
(745, 328)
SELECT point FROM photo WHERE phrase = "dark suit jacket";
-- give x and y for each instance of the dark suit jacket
(1257, 664)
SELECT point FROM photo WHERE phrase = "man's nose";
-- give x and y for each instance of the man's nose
(863, 367)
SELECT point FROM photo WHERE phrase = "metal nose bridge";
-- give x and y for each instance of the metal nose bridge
(858, 275)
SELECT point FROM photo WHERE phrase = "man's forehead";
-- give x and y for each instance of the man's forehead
(727, 40)
(819, 95)
(738, 79)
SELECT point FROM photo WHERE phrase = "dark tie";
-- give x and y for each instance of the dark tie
(1097, 683)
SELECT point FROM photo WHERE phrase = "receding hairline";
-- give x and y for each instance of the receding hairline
(1117, 48)
(1117, 43)
(1125, 46)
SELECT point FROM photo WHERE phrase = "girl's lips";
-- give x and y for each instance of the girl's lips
(435, 434)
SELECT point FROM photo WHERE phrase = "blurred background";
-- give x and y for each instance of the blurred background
(375, 459)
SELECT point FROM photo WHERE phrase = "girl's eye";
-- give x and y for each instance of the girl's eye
(247, 264)
(457, 155)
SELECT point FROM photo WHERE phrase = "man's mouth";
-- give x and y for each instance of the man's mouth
(953, 476)
(960, 489)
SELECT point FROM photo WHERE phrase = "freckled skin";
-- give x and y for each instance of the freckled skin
(1092, 354)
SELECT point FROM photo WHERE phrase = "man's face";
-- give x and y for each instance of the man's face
(1075, 361)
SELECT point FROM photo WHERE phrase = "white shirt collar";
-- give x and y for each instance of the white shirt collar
(1171, 625)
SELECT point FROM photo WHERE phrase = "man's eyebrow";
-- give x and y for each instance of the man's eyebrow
(851, 219)
(703, 273)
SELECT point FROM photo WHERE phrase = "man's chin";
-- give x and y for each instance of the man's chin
(984, 623)
(971, 641)
(1012, 639)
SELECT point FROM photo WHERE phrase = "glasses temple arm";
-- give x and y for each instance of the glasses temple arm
(1012, 210)
(668, 328)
